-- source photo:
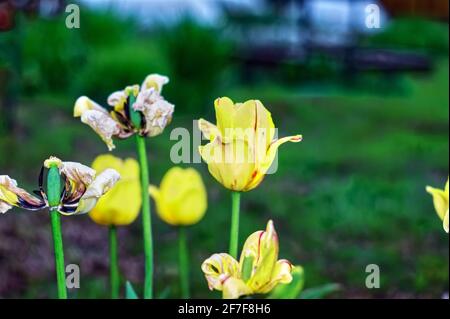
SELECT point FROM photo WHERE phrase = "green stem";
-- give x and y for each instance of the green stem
(59, 254)
(234, 236)
(114, 262)
(146, 218)
(184, 262)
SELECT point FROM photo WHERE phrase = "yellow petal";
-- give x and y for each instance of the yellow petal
(11, 195)
(224, 113)
(101, 185)
(209, 130)
(446, 189)
(231, 164)
(249, 120)
(263, 167)
(263, 247)
(281, 274)
(233, 288)
(446, 222)
(117, 100)
(84, 104)
(218, 268)
(121, 205)
(156, 81)
(182, 198)
(440, 200)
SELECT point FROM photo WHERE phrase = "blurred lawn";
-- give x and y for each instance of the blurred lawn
(351, 194)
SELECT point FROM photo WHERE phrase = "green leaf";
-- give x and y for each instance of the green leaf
(320, 292)
(292, 290)
(130, 293)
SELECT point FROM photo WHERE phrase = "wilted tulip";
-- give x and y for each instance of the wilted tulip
(82, 189)
(134, 110)
(257, 272)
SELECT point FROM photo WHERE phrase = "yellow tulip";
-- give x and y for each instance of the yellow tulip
(181, 199)
(258, 271)
(122, 204)
(242, 145)
(441, 202)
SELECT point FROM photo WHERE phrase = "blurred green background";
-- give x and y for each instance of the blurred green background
(351, 194)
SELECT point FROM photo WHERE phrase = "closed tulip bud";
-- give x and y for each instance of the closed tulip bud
(122, 204)
(181, 199)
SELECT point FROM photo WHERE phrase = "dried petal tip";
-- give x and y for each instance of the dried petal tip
(296, 138)
(156, 81)
(82, 104)
(52, 161)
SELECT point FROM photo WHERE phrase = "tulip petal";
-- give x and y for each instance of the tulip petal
(263, 247)
(162, 208)
(231, 164)
(157, 111)
(83, 104)
(117, 100)
(209, 130)
(446, 222)
(233, 288)
(182, 198)
(103, 124)
(155, 81)
(121, 205)
(11, 195)
(440, 200)
(249, 121)
(78, 173)
(101, 185)
(282, 274)
(263, 167)
(218, 268)
(224, 114)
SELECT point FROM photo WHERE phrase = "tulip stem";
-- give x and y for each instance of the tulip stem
(114, 263)
(184, 262)
(146, 218)
(234, 236)
(59, 254)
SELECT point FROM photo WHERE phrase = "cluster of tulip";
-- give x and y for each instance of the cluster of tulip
(114, 191)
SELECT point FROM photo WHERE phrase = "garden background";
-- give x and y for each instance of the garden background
(351, 194)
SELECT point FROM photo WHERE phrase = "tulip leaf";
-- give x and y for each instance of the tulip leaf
(130, 293)
(320, 292)
(292, 290)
